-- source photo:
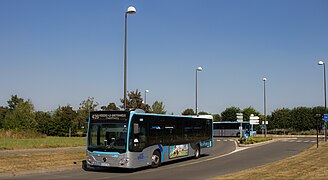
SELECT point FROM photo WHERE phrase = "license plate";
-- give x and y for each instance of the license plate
(104, 164)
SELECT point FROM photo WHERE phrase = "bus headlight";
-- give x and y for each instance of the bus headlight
(90, 159)
(124, 161)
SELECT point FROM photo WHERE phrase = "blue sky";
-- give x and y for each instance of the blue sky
(59, 52)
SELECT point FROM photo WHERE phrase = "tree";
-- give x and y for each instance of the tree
(134, 101)
(217, 117)
(14, 101)
(318, 120)
(43, 120)
(20, 116)
(229, 114)
(89, 104)
(3, 112)
(158, 108)
(248, 111)
(110, 106)
(188, 111)
(86, 106)
(64, 119)
(203, 113)
(281, 119)
(302, 119)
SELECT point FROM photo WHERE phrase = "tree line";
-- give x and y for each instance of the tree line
(282, 120)
(20, 115)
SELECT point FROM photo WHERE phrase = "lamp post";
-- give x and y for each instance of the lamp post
(130, 10)
(325, 94)
(146, 91)
(264, 104)
(196, 108)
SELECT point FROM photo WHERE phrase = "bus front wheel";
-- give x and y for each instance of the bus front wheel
(197, 152)
(156, 159)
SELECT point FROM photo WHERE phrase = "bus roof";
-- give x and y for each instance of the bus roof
(137, 111)
(169, 115)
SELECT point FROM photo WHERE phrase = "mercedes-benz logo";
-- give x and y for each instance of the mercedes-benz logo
(104, 159)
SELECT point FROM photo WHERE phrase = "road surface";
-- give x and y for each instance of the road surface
(225, 158)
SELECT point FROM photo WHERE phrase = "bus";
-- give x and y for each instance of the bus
(229, 128)
(131, 139)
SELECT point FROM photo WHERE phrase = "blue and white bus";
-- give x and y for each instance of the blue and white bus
(130, 139)
(231, 128)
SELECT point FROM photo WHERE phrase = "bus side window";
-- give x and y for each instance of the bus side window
(169, 135)
(142, 137)
(155, 135)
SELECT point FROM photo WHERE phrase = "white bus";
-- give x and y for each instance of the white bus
(129, 139)
(229, 128)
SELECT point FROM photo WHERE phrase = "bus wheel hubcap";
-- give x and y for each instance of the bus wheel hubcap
(155, 159)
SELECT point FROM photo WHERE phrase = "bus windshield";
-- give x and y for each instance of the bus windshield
(108, 137)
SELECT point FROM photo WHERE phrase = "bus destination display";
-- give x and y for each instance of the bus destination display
(108, 116)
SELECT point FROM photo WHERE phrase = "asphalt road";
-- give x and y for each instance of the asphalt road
(225, 158)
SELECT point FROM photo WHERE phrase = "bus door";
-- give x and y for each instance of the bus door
(138, 135)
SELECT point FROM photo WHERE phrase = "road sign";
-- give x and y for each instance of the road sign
(325, 117)
(266, 122)
(254, 122)
(254, 119)
(240, 117)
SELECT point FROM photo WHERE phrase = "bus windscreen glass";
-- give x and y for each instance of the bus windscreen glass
(108, 132)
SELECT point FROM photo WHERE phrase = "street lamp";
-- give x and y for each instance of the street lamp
(130, 10)
(265, 116)
(325, 93)
(198, 69)
(146, 91)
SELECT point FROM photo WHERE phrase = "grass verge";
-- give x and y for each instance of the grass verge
(310, 164)
(254, 139)
(47, 142)
(20, 134)
(14, 163)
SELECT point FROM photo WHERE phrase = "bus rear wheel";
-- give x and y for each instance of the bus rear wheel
(197, 152)
(156, 159)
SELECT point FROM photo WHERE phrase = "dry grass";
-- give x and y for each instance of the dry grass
(8, 134)
(13, 163)
(310, 164)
